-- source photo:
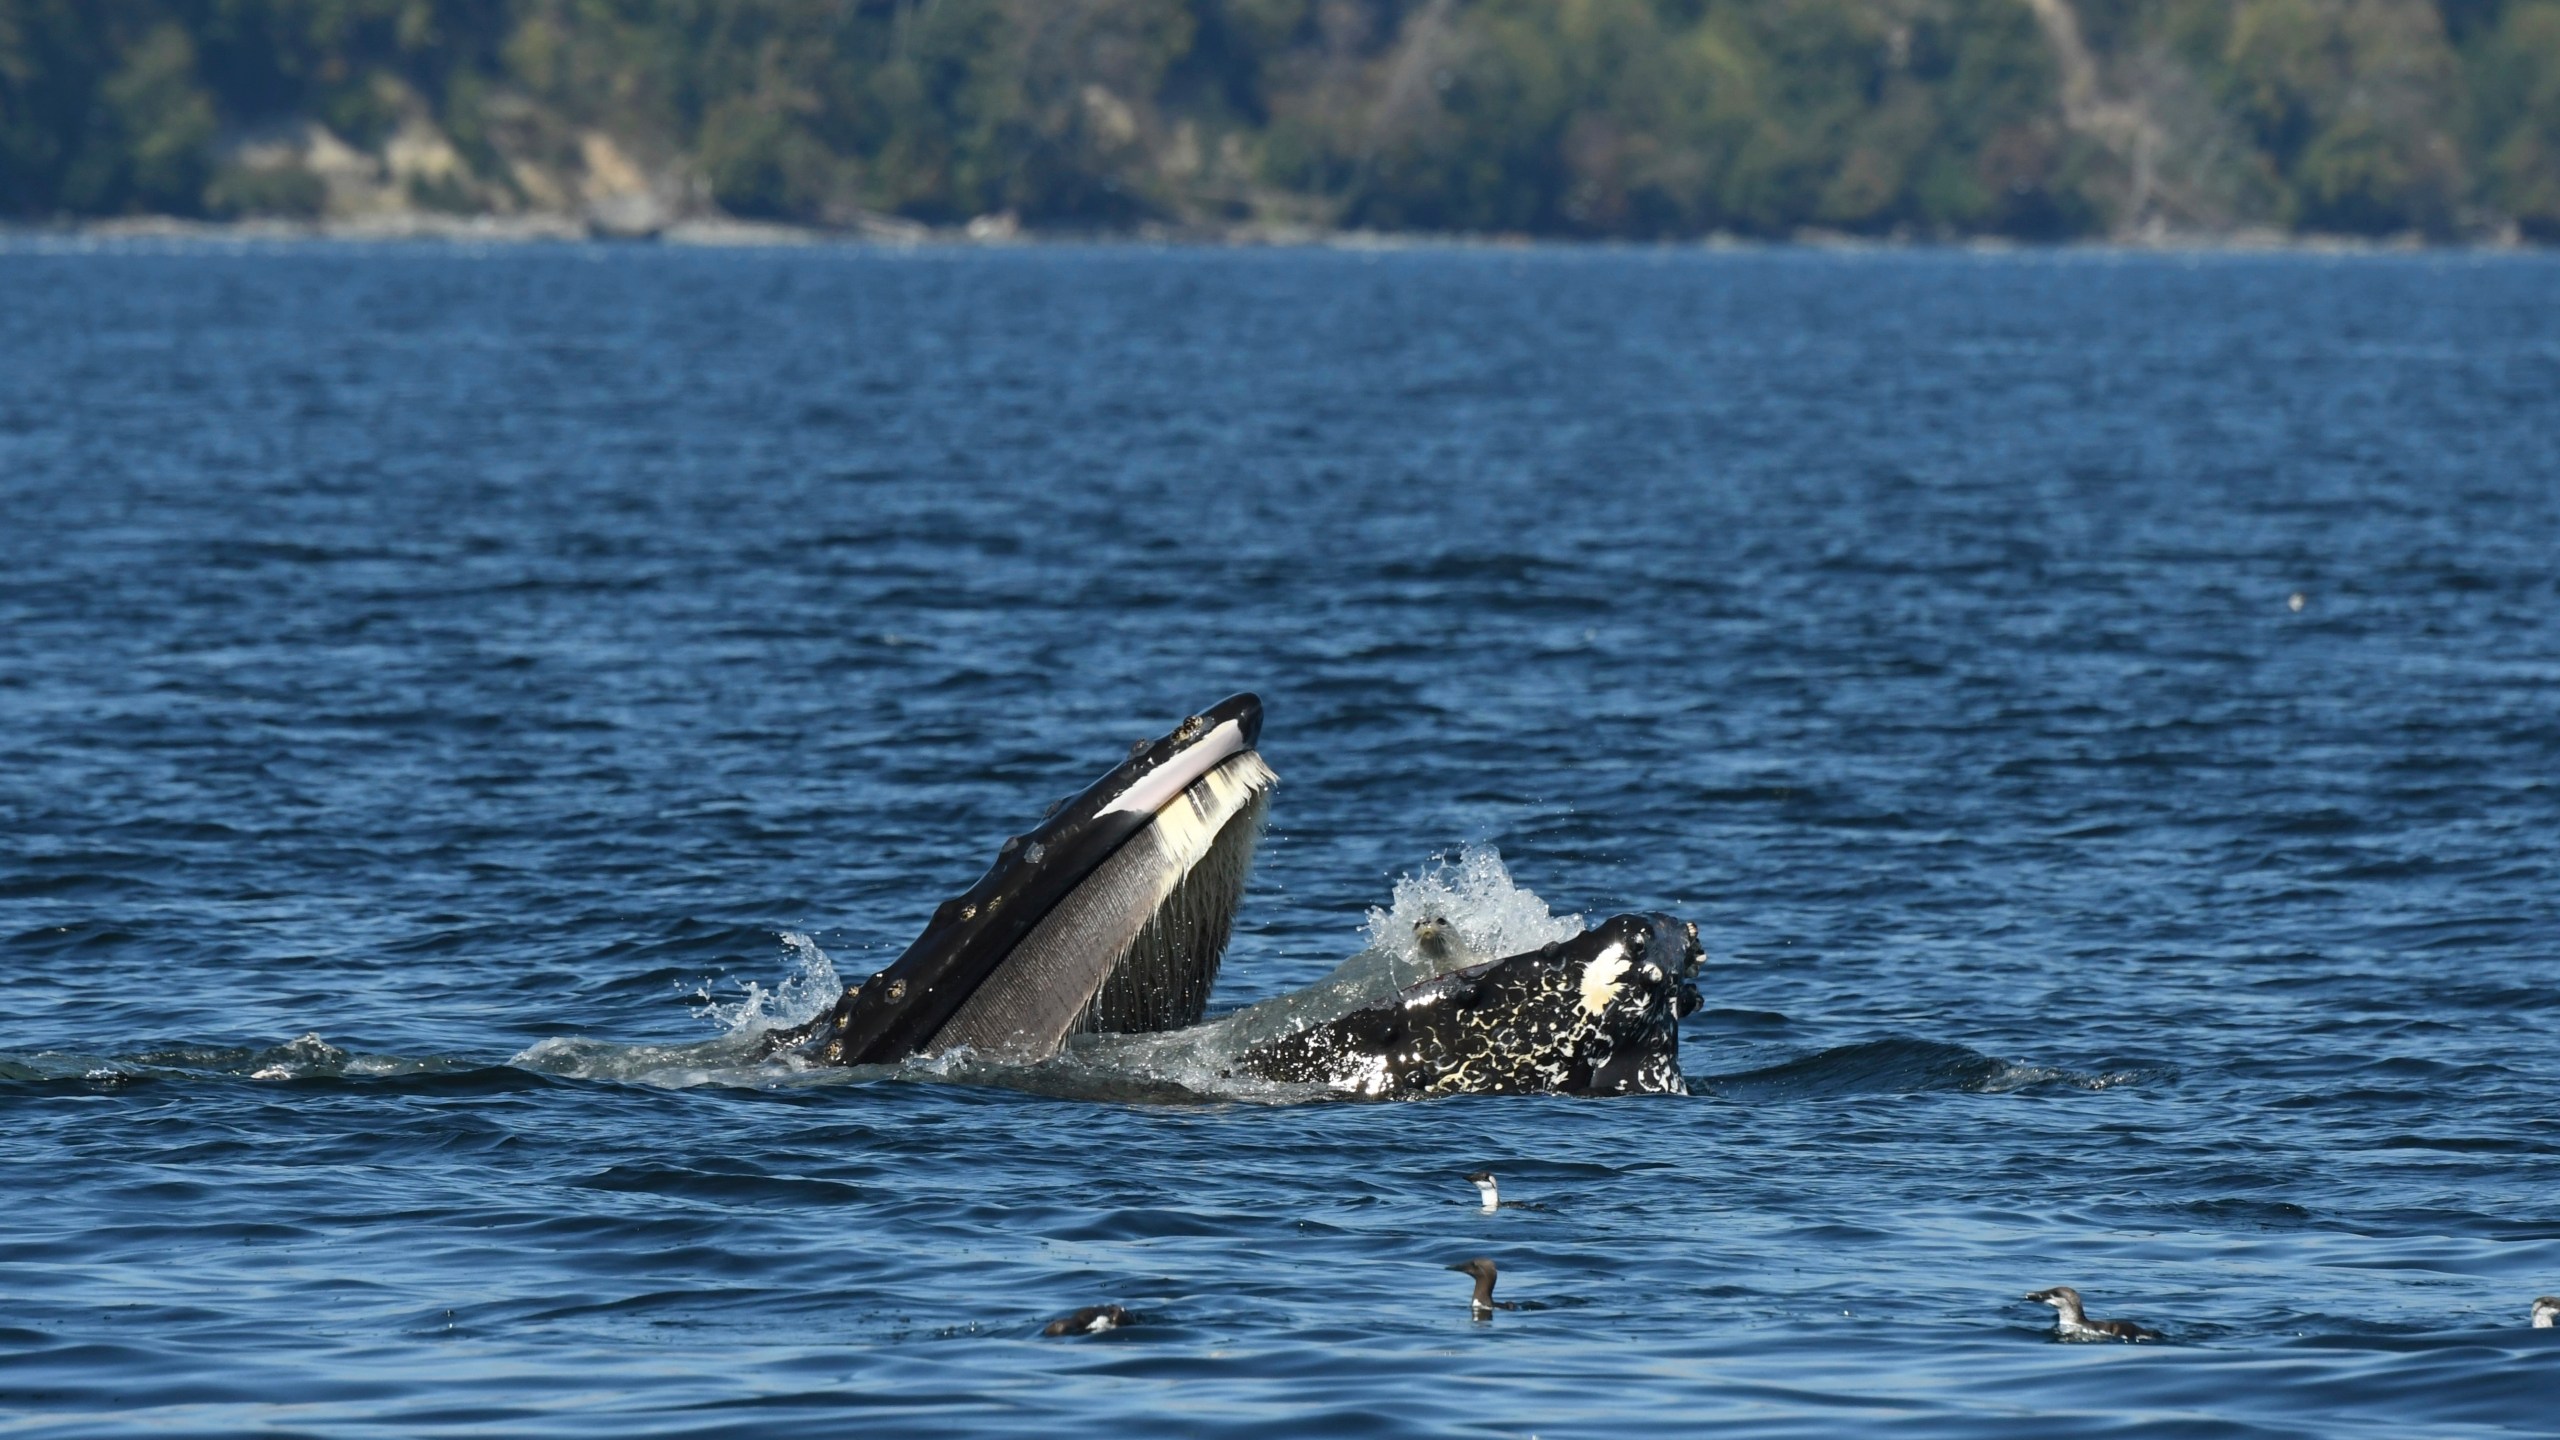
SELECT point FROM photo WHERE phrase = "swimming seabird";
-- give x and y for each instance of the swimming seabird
(1483, 1181)
(1091, 1320)
(2545, 1310)
(1484, 1271)
(2073, 1323)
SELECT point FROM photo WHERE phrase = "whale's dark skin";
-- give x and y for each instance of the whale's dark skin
(1595, 1015)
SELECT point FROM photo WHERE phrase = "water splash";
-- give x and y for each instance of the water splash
(1486, 912)
(1485, 915)
(722, 1060)
(810, 986)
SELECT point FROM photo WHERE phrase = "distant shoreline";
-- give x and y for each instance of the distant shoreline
(721, 233)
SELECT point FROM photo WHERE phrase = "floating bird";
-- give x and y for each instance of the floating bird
(2545, 1310)
(1483, 1270)
(2073, 1323)
(1091, 1320)
(1492, 1193)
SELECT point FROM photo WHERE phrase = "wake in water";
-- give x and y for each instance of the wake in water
(1898, 1065)
(305, 1057)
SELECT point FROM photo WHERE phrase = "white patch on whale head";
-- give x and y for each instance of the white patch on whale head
(1368, 1076)
(1602, 976)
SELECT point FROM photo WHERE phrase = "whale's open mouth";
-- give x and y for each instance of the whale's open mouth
(1110, 916)
(1135, 946)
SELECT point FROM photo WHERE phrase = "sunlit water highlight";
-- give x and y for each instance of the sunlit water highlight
(449, 700)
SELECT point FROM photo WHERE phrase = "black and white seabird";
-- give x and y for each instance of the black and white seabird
(1091, 1320)
(2073, 1323)
(1484, 1271)
(1485, 1186)
(2545, 1310)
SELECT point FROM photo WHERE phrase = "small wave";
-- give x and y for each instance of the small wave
(723, 1060)
(305, 1057)
(1899, 1065)
(2249, 1210)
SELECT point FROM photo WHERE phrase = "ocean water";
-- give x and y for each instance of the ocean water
(2102, 712)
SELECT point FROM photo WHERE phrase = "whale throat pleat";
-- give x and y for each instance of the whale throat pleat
(1136, 946)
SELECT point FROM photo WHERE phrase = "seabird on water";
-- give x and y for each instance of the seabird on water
(1091, 1320)
(1484, 1271)
(2073, 1323)
(2545, 1310)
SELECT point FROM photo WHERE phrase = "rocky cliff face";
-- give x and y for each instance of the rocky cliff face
(537, 170)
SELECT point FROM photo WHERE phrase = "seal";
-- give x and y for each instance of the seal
(1091, 1320)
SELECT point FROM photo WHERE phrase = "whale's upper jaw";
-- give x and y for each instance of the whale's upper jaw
(901, 1010)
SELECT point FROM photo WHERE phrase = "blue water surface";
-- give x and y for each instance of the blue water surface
(2103, 713)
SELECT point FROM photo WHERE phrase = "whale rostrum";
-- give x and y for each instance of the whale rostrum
(1111, 916)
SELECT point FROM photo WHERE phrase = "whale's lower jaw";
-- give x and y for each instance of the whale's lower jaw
(1136, 946)
(1131, 945)
(1596, 1015)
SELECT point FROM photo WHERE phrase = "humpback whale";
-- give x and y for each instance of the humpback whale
(1111, 916)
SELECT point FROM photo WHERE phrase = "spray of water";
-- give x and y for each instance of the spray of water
(1484, 913)
(809, 987)
(1472, 896)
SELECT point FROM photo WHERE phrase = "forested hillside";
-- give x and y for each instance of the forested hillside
(2039, 119)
